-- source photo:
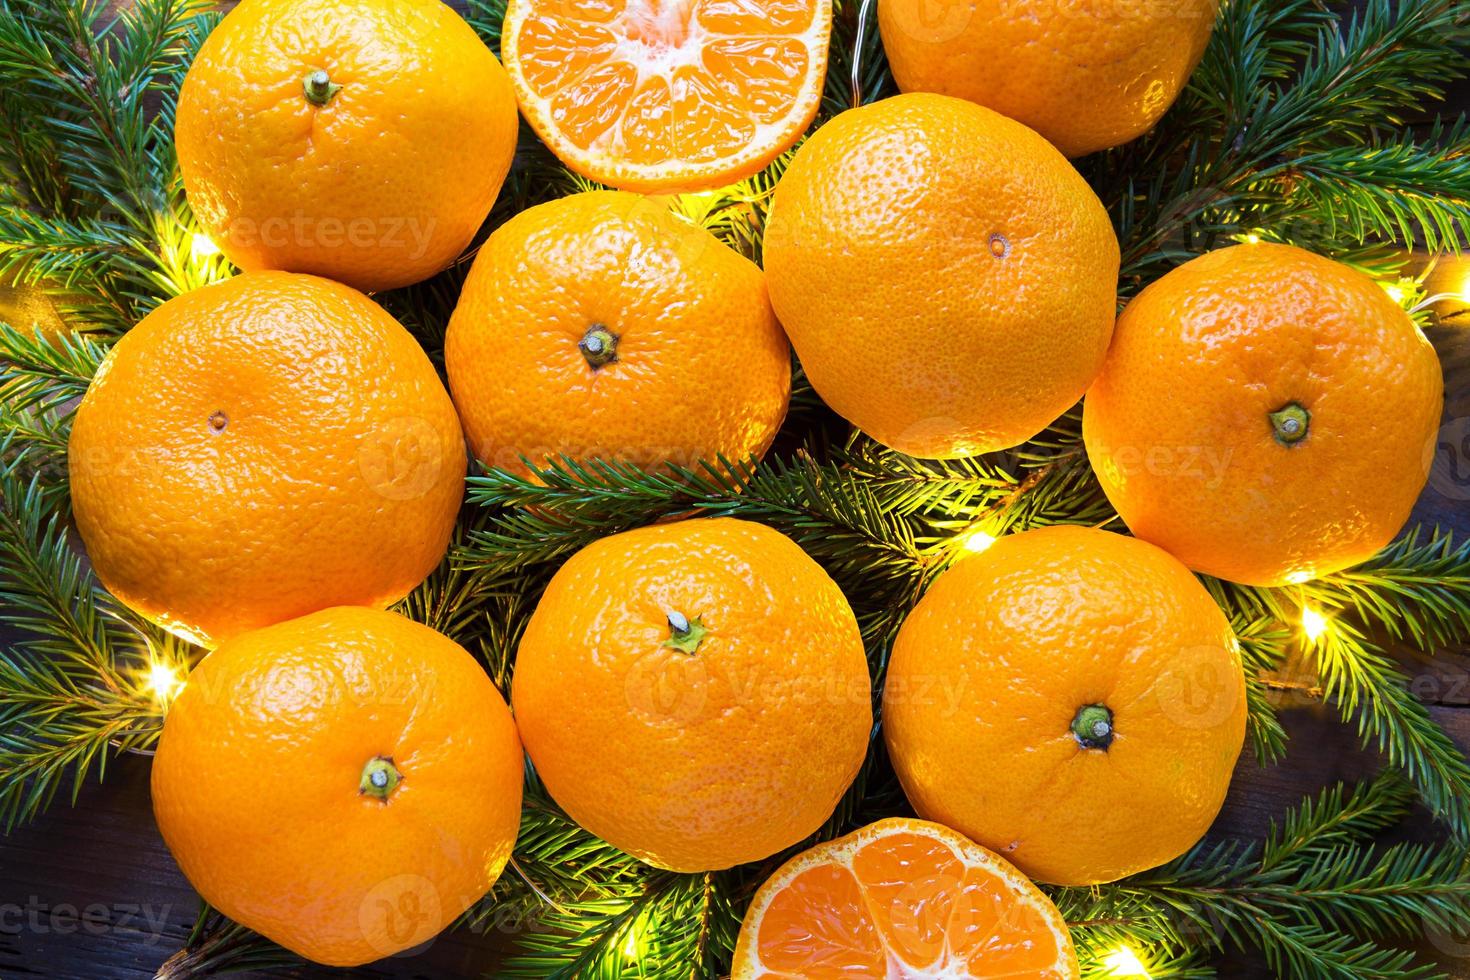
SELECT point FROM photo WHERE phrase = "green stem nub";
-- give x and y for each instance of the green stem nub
(599, 345)
(1093, 726)
(380, 777)
(1290, 424)
(319, 88)
(685, 634)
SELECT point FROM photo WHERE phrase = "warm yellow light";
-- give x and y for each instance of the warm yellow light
(1297, 578)
(976, 540)
(1123, 962)
(163, 681)
(203, 246)
(1395, 292)
(1314, 624)
(633, 944)
(1253, 239)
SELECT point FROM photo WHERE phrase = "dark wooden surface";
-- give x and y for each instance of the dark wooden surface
(90, 892)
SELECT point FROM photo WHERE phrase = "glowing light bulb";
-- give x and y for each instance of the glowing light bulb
(976, 540)
(1253, 239)
(1395, 291)
(1124, 962)
(163, 681)
(633, 944)
(202, 246)
(1314, 624)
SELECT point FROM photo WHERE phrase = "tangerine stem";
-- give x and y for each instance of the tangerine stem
(380, 777)
(320, 88)
(685, 634)
(599, 345)
(1093, 726)
(1290, 423)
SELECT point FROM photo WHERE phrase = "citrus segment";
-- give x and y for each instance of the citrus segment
(662, 95)
(902, 898)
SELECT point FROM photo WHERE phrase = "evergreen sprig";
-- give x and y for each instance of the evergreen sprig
(1367, 688)
(1315, 898)
(1280, 134)
(1417, 589)
(70, 691)
(93, 207)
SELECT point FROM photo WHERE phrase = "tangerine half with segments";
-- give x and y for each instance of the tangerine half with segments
(667, 95)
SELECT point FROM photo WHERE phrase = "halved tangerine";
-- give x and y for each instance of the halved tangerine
(667, 95)
(902, 898)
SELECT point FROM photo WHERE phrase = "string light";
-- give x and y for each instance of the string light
(1458, 292)
(1124, 962)
(202, 246)
(975, 540)
(1462, 297)
(633, 945)
(1314, 624)
(163, 681)
(1253, 239)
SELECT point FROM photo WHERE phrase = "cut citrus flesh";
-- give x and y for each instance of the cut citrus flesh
(902, 898)
(667, 95)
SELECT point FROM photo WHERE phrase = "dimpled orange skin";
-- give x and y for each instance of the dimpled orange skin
(702, 368)
(946, 277)
(704, 760)
(1178, 426)
(382, 186)
(256, 783)
(990, 670)
(264, 448)
(1086, 76)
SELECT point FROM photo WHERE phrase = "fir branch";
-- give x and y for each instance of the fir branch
(1341, 815)
(1284, 84)
(1368, 689)
(1418, 588)
(678, 926)
(1263, 650)
(1313, 899)
(98, 97)
(736, 214)
(42, 373)
(486, 16)
(1404, 190)
(218, 947)
(600, 913)
(1366, 685)
(836, 516)
(69, 694)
